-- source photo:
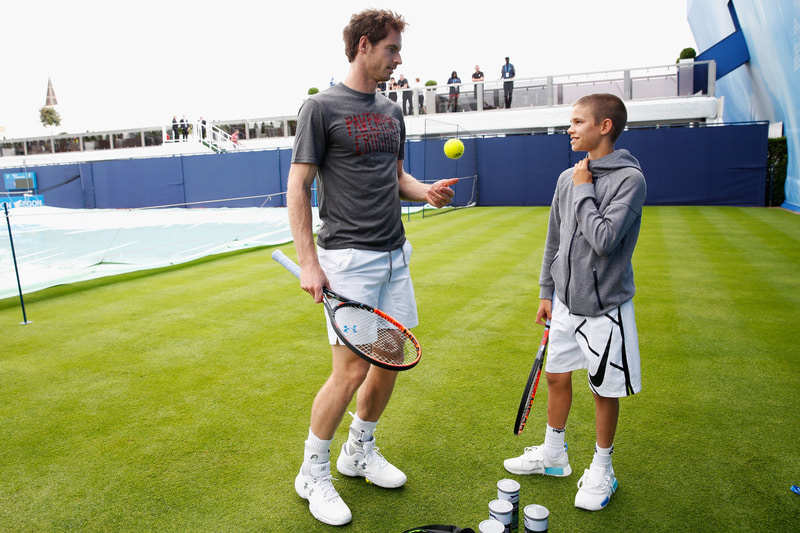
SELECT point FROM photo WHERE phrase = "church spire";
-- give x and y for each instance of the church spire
(51, 94)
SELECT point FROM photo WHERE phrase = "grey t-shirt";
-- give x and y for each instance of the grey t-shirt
(355, 140)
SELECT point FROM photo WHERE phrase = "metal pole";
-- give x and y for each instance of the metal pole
(14, 255)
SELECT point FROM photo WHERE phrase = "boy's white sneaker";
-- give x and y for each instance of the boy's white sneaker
(323, 501)
(367, 462)
(536, 461)
(595, 488)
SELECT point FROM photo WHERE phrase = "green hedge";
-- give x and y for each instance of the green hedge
(777, 159)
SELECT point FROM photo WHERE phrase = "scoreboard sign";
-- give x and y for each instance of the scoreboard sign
(20, 181)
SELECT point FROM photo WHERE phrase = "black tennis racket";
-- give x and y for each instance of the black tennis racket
(370, 333)
(533, 382)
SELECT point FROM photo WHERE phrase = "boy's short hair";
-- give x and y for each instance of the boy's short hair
(606, 106)
(372, 23)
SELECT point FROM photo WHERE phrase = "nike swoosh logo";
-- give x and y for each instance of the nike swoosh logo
(598, 377)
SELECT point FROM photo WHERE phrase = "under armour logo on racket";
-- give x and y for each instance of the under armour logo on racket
(350, 329)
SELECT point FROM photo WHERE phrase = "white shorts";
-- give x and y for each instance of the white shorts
(379, 279)
(607, 346)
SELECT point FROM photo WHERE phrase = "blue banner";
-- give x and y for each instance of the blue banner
(29, 200)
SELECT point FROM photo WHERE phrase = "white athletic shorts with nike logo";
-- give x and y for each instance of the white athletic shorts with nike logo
(607, 346)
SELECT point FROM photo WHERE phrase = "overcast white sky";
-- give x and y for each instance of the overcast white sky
(130, 64)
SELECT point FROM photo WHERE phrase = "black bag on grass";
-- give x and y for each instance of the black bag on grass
(439, 529)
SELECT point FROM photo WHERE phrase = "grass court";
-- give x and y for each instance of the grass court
(178, 399)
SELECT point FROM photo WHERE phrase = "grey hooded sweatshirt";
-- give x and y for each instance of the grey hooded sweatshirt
(591, 235)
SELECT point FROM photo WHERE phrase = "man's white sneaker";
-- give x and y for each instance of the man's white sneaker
(536, 461)
(323, 501)
(595, 488)
(367, 462)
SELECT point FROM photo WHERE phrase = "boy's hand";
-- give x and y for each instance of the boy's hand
(581, 174)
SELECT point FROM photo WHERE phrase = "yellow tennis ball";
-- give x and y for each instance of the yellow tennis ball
(454, 148)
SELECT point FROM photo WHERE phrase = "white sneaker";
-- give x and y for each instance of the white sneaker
(595, 488)
(367, 462)
(323, 501)
(536, 461)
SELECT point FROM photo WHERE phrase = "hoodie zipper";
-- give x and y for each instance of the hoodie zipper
(569, 265)
(597, 287)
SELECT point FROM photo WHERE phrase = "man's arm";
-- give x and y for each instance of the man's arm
(298, 200)
(437, 194)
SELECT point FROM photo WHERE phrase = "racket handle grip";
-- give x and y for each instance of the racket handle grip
(286, 263)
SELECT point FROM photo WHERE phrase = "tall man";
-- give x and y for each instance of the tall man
(353, 140)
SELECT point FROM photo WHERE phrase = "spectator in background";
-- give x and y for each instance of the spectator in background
(392, 90)
(402, 85)
(455, 89)
(477, 78)
(175, 129)
(184, 128)
(420, 95)
(508, 73)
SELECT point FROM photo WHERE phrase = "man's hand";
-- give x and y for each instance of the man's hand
(312, 279)
(581, 174)
(545, 311)
(440, 194)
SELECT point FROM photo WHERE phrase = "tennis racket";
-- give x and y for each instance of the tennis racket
(533, 382)
(370, 333)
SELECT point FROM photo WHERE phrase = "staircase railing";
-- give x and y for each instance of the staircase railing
(216, 138)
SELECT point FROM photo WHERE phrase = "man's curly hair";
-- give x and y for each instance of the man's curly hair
(372, 23)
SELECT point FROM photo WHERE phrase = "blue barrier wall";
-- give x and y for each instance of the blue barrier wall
(522, 169)
(719, 165)
(244, 177)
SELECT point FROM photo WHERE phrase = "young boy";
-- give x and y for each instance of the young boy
(586, 290)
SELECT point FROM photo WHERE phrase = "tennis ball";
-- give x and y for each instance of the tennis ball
(454, 148)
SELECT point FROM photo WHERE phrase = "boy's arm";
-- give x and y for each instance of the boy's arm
(604, 231)
(546, 283)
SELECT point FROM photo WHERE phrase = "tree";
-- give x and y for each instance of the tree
(49, 116)
(687, 53)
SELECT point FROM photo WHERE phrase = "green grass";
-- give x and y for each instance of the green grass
(178, 399)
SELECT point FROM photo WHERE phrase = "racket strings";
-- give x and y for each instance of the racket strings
(375, 336)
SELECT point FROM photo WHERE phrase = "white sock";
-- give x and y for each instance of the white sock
(361, 430)
(554, 441)
(316, 450)
(602, 456)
